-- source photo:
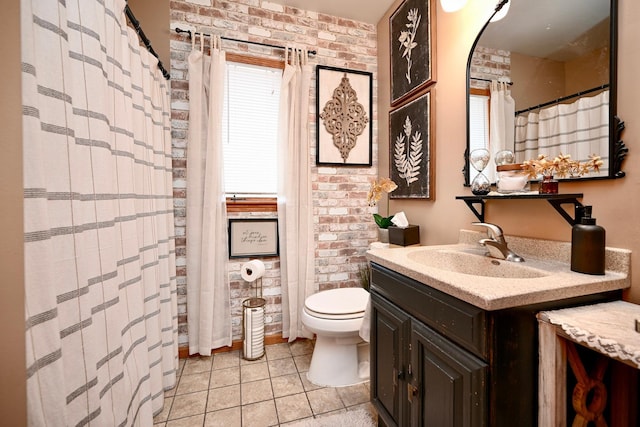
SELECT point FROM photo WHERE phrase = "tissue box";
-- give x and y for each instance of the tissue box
(404, 236)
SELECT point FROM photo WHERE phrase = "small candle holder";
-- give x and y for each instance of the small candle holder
(548, 185)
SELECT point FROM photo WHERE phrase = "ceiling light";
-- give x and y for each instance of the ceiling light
(452, 5)
(501, 13)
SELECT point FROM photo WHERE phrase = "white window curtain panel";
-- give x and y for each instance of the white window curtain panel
(578, 129)
(100, 282)
(208, 293)
(295, 206)
(501, 121)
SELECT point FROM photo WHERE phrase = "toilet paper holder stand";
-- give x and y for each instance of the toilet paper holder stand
(258, 283)
(253, 311)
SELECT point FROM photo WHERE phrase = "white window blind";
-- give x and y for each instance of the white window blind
(250, 127)
(479, 130)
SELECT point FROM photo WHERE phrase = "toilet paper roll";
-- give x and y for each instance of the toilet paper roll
(252, 270)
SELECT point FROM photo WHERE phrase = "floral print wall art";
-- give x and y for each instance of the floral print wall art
(411, 47)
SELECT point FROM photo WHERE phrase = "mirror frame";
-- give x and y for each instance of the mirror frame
(617, 149)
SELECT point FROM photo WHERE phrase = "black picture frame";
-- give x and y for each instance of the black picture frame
(253, 237)
(412, 48)
(411, 132)
(331, 94)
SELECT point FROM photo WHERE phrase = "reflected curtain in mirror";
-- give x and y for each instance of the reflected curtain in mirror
(578, 129)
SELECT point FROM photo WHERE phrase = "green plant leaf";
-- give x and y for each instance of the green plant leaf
(383, 222)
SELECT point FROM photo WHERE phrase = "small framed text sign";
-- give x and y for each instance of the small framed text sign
(253, 237)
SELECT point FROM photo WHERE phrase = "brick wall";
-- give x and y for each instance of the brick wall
(343, 226)
(491, 64)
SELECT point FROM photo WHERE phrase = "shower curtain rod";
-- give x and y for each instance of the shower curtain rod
(488, 80)
(564, 98)
(145, 39)
(180, 30)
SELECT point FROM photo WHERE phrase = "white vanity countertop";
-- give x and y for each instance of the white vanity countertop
(495, 293)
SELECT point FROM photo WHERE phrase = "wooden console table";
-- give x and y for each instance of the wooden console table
(610, 330)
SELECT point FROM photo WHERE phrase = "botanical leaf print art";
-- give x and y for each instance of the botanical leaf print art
(407, 39)
(410, 149)
(408, 153)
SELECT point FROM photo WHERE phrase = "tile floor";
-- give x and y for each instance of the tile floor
(226, 390)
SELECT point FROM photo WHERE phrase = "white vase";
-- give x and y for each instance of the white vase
(383, 235)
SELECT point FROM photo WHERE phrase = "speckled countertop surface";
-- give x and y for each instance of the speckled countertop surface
(494, 293)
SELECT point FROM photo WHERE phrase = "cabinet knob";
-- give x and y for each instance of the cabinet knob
(397, 375)
(412, 391)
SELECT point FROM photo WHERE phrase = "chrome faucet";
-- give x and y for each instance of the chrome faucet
(496, 240)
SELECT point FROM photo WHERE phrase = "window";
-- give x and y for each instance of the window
(250, 126)
(479, 128)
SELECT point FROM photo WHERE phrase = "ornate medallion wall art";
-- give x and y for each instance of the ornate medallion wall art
(411, 47)
(343, 122)
(411, 143)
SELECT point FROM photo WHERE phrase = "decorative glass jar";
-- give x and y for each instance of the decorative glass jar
(548, 185)
(511, 178)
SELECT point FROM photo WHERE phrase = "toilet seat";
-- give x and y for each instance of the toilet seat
(337, 304)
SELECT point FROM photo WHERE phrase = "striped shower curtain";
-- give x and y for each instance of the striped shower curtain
(100, 285)
(579, 129)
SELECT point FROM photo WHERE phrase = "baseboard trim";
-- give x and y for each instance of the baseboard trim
(183, 352)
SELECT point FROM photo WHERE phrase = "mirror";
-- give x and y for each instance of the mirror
(559, 59)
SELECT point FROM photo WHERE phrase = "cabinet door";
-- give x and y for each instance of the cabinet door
(389, 332)
(447, 386)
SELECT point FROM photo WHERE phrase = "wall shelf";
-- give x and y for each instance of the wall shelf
(556, 200)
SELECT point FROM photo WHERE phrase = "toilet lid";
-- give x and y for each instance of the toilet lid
(342, 303)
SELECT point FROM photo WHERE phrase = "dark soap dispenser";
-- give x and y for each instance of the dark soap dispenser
(587, 245)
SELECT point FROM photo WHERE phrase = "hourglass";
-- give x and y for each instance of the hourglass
(479, 159)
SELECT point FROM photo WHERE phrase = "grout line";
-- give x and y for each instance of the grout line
(206, 402)
(273, 394)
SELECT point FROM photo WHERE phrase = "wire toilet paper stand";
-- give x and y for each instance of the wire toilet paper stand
(253, 310)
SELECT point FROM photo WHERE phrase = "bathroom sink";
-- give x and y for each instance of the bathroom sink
(464, 271)
(474, 264)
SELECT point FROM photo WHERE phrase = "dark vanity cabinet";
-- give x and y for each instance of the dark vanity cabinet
(446, 381)
(419, 377)
(439, 361)
(389, 338)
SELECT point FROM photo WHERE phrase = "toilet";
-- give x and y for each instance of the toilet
(340, 357)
